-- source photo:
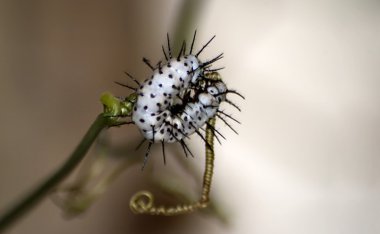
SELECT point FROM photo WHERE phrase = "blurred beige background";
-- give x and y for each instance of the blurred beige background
(307, 156)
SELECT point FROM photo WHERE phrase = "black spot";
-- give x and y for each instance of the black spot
(135, 109)
(160, 71)
(165, 114)
(162, 131)
(185, 64)
(165, 94)
(158, 104)
(180, 79)
(185, 57)
(160, 85)
(185, 118)
(142, 120)
(175, 125)
(145, 107)
(141, 94)
(152, 95)
(158, 118)
(199, 118)
(170, 76)
(150, 83)
(153, 114)
(144, 130)
(174, 87)
(169, 65)
(165, 102)
(175, 134)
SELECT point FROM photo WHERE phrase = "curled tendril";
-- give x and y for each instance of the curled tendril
(143, 201)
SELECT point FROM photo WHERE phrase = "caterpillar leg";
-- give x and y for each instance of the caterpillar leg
(143, 201)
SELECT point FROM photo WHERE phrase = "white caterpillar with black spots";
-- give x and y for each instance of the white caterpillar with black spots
(154, 112)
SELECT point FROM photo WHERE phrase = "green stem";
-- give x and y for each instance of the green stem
(46, 186)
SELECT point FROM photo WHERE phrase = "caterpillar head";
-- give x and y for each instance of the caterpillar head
(218, 91)
(222, 89)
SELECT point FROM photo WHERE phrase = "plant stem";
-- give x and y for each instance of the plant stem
(46, 186)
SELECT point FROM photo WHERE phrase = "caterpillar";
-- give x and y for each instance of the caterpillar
(181, 95)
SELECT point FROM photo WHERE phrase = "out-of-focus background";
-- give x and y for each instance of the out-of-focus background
(306, 159)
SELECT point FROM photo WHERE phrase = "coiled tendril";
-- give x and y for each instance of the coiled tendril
(143, 202)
